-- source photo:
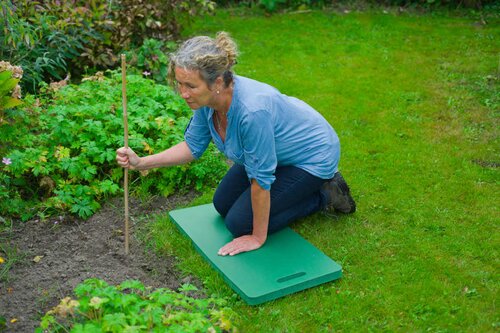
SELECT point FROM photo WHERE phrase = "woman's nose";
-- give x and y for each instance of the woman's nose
(184, 93)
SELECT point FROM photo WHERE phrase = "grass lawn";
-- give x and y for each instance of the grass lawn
(415, 102)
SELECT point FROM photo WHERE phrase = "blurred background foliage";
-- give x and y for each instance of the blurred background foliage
(271, 6)
(53, 39)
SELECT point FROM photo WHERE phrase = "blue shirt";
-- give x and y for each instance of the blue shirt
(267, 129)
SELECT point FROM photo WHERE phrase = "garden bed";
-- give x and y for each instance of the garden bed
(58, 254)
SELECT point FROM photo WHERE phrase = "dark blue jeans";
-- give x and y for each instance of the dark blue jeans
(294, 194)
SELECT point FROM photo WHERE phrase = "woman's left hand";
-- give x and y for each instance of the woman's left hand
(241, 244)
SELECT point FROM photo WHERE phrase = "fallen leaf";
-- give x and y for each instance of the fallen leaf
(118, 232)
(9, 290)
(37, 259)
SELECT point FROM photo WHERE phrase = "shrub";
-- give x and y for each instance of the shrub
(39, 43)
(131, 307)
(62, 155)
(49, 38)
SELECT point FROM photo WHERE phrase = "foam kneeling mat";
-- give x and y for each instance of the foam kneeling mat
(285, 264)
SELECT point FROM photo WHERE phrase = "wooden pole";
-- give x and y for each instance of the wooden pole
(125, 128)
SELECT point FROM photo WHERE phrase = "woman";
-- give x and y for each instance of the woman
(285, 153)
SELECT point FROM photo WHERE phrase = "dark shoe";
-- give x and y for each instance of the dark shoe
(338, 195)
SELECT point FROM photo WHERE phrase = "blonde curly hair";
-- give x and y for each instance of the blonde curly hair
(212, 57)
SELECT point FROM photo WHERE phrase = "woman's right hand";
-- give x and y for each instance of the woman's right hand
(127, 158)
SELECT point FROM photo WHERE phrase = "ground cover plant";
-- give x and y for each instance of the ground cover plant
(132, 307)
(414, 99)
(59, 152)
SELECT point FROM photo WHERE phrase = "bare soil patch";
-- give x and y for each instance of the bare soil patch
(71, 251)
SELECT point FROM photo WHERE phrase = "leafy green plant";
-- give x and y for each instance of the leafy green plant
(61, 155)
(132, 307)
(151, 58)
(10, 91)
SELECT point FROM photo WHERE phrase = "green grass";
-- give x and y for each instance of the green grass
(415, 101)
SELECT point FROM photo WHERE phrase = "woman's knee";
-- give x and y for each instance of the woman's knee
(234, 183)
(220, 204)
(238, 225)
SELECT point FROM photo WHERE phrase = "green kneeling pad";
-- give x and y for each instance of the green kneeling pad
(285, 264)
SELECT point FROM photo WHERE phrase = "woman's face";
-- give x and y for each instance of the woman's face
(192, 88)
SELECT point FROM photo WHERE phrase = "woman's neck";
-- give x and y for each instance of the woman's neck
(222, 101)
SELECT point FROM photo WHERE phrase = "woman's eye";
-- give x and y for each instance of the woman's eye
(185, 86)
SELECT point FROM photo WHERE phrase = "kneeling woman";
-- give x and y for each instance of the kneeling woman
(285, 153)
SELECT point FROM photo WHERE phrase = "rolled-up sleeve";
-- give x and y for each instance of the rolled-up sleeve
(197, 134)
(257, 133)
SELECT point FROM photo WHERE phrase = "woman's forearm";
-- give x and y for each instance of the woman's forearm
(261, 206)
(175, 155)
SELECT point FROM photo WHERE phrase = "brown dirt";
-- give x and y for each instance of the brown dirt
(75, 250)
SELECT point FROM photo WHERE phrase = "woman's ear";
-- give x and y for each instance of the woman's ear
(219, 83)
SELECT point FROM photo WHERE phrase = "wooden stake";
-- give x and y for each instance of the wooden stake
(125, 129)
